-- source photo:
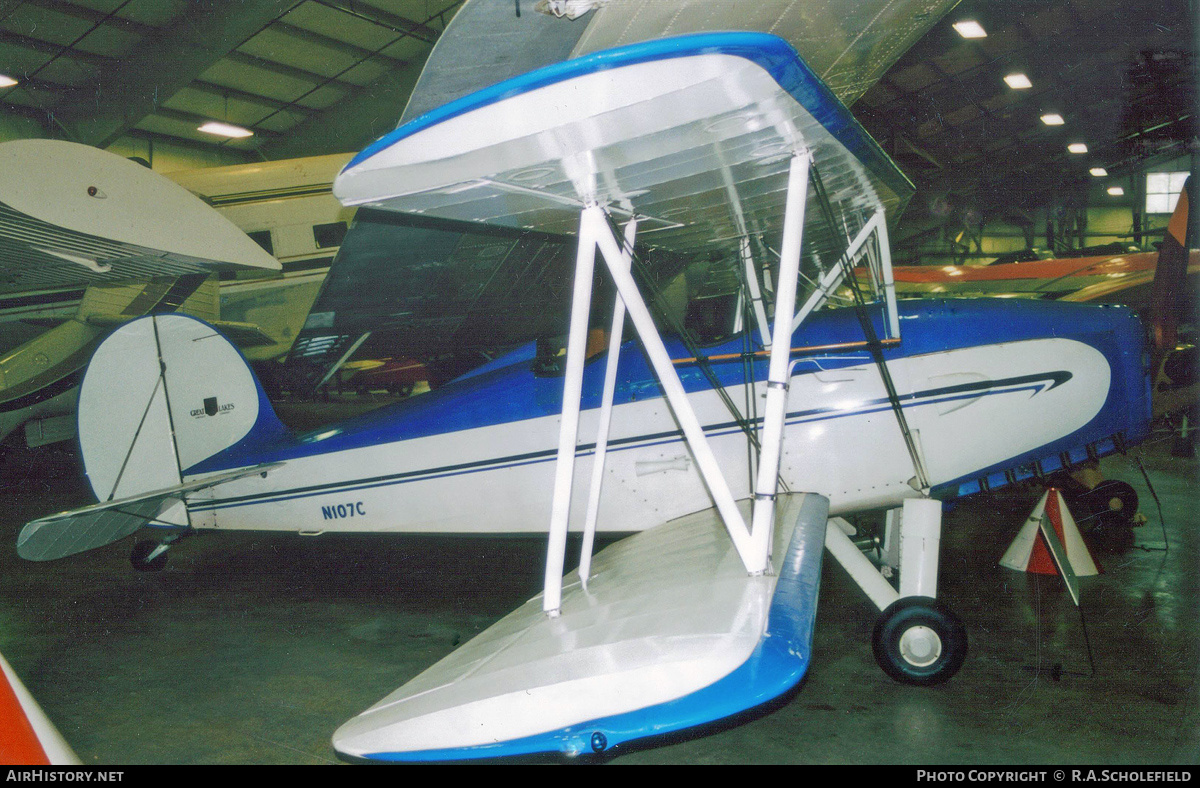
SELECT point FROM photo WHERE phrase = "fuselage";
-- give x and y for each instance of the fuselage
(993, 390)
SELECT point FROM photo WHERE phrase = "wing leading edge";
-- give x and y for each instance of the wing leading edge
(693, 134)
(469, 210)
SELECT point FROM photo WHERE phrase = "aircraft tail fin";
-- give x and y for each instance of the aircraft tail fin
(1170, 276)
(161, 395)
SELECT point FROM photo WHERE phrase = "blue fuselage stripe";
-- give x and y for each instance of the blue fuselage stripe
(1035, 383)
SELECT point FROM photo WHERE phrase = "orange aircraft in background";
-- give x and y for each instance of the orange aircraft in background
(1120, 277)
(1161, 286)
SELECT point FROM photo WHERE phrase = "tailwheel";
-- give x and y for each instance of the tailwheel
(918, 640)
(148, 556)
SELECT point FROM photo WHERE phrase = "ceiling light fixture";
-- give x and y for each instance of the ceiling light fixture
(1077, 147)
(225, 129)
(1115, 191)
(6, 81)
(1018, 81)
(969, 28)
(1098, 172)
(1052, 119)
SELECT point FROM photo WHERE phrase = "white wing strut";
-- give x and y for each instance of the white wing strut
(615, 338)
(778, 373)
(752, 543)
(880, 269)
(564, 468)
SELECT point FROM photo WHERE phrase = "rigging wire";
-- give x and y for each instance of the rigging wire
(641, 270)
(871, 336)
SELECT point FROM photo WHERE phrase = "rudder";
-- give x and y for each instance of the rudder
(160, 395)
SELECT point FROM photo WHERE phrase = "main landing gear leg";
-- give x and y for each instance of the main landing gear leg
(151, 556)
(917, 639)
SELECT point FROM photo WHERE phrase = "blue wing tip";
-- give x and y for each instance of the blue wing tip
(775, 667)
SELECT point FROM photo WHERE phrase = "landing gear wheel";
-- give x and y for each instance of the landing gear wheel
(917, 640)
(141, 552)
(1112, 497)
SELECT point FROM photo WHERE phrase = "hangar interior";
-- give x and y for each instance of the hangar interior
(1061, 129)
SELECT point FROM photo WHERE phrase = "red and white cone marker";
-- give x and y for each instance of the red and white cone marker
(1050, 543)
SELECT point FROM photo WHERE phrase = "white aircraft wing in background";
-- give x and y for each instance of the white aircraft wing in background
(72, 215)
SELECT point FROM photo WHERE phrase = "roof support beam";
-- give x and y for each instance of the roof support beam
(192, 119)
(291, 72)
(92, 16)
(46, 47)
(198, 38)
(397, 24)
(365, 114)
(247, 156)
(362, 54)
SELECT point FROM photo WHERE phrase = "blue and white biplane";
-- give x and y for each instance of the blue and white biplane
(729, 197)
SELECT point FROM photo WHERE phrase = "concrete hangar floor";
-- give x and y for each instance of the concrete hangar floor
(252, 648)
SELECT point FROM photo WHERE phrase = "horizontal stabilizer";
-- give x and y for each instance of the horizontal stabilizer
(244, 335)
(67, 533)
(670, 633)
(241, 334)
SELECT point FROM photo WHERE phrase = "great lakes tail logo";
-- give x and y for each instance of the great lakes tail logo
(211, 408)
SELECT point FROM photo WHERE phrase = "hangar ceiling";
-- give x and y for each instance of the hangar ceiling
(95, 70)
(1120, 74)
(321, 76)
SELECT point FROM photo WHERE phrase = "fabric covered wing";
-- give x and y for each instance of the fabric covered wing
(693, 135)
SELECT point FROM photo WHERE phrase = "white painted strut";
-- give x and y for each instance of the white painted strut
(564, 468)
(756, 297)
(832, 279)
(777, 376)
(888, 284)
(652, 342)
(859, 567)
(920, 539)
(606, 403)
(920, 542)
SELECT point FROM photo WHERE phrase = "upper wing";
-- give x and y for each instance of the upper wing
(467, 211)
(693, 134)
(73, 215)
(850, 45)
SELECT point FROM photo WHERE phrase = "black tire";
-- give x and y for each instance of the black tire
(919, 611)
(141, 550)
(1111, 497)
